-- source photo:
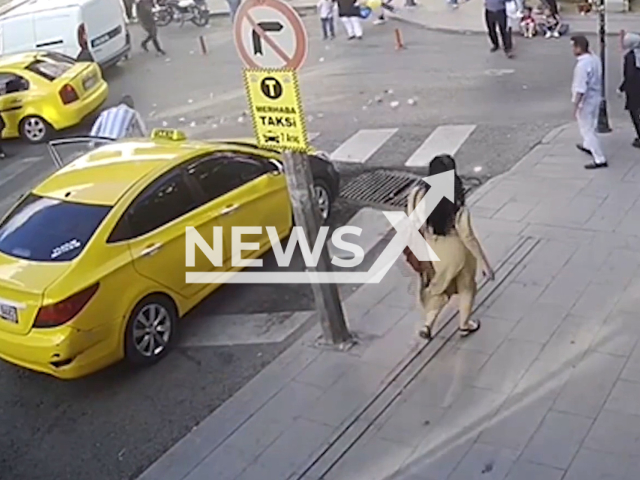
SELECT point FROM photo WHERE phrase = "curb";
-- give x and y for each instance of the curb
(461, 31)
(301, 9)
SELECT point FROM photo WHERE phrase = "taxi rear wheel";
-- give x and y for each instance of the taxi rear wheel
(151, 330)
(35, 129)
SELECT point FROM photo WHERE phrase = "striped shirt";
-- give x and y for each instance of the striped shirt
(119, 122)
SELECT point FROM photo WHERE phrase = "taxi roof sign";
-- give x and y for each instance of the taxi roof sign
(172, 134)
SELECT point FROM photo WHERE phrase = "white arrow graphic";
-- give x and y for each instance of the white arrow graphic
(441, 186)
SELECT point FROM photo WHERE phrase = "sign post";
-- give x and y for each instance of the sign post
(272, 42)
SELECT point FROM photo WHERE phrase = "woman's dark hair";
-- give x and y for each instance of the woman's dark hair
(442, 219)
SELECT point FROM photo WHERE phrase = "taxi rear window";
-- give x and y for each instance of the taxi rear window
(49, 230)
(49, 69)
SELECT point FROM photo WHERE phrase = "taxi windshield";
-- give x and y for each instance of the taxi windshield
(49, 230)
(50, 67)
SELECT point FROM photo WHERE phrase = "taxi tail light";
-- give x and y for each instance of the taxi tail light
(64, 311)
(68, 94)
(82, 36)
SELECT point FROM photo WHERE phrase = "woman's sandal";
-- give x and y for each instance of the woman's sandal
(465, 332)
(425, 333)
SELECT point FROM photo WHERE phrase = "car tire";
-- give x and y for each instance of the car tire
(34, 129)
(161, 317)
(323, 197)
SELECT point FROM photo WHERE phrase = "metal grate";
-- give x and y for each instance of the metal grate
(388, 188)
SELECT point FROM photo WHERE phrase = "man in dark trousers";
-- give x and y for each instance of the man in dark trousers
(495, 15)
(2, 126)
(145, 17)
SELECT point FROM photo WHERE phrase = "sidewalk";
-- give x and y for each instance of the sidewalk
(469, 18)
(548, 387)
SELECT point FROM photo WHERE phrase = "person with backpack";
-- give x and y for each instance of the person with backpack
(630, 85)
(449, 233)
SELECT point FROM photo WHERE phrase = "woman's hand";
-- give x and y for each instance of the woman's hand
(488, 272)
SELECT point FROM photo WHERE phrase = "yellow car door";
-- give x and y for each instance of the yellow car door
(244, 191)
(155, 226)
(13, 97)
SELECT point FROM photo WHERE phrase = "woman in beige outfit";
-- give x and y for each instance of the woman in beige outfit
(449, 233)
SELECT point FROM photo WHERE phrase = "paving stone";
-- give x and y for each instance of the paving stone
(374, 460)
(507, 365)
(567, 286)
(326, 370)
(540, 323)
(290, 451)
(559, 233)
(437, 460)
(347, 395)
(391, 349)
(557, 440)
(624, 398)
(380, 320)
(629, 300)
(498, 226)
(514, 301)
(570, 341)
(524, 470)
(516, 421)
(514, 211)
(593, 465)
(484, 462)
(490, 336)
(598, 299)
(614, 432)
(619, 269)
(619, 334)
(225, 463)
(590, 384)
(409, 422)
(631, 370)
(268, 423)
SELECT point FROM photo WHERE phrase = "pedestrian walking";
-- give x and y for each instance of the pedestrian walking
(118, 122)
(145, 16)
(234, 5)
(630, 85)
(449, 233)
(495, 16)
(586, 90)
(128, 10)
(349, 13)
(325, 10)
(3, 125)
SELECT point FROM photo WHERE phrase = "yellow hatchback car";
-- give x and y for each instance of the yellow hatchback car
(43, 92)
(92, 261)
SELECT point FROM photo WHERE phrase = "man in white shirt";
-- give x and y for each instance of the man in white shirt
(121, 121)
(586, 91)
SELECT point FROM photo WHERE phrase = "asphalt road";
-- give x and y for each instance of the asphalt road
(114, 424)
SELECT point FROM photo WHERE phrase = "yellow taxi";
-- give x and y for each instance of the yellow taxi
(92, 261)
(42, 92)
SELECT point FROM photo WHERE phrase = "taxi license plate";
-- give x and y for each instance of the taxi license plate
(9, 313)
(89, 82)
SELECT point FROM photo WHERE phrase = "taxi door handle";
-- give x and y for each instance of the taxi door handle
(229, 209)
(151, 250)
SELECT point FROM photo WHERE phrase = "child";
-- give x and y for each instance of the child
(550, 24)
(528, 23)
(325, 10)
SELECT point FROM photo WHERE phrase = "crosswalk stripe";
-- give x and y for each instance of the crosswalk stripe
(362, 145)
(446, 139)
(374, 227)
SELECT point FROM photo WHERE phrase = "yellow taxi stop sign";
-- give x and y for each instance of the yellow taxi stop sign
(276, 109)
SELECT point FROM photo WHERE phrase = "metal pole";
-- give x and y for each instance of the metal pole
(603, 118)
(307, 216)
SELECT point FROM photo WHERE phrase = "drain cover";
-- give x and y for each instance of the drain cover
(387, 188)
